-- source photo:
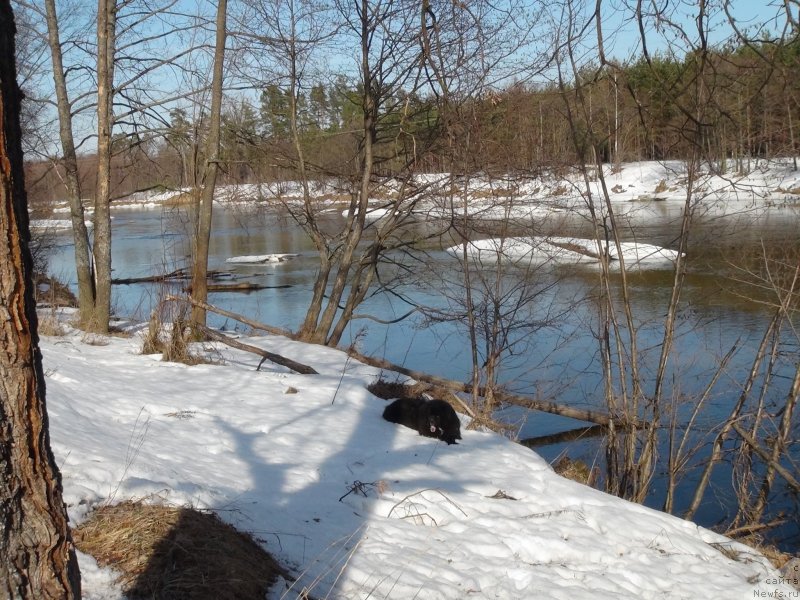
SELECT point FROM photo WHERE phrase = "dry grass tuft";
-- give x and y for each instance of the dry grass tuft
(50, 325)
(173, 342)
(661, 187)
(777, 557)
(165, 552)
(52, 292)
(576, 470)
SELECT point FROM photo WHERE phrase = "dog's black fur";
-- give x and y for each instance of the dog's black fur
(431, 418)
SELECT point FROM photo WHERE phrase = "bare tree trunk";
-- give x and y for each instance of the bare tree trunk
(106, 43)
(202, 235)
(312, 226)
(80, 234)
(37, 558)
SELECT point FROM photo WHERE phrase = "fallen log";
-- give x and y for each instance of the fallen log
(243, 287)
(564, 436)
(590, 416)
(235, 316)
(266, 355)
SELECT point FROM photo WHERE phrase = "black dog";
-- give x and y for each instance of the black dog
(431, 418)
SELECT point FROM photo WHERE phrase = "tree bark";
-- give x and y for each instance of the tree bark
(202, 235)
(37, 557)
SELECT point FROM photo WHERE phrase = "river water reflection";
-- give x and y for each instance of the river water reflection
(559, 361)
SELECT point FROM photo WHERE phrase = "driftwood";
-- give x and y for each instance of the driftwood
(177, 274)
(264, 354)
(243, 287)
(591, 416)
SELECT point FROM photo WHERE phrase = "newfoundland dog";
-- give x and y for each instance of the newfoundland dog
(431, 418)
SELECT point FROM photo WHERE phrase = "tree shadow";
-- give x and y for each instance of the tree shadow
(304, 479)
(351, 473)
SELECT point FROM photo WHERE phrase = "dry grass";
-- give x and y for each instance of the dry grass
(661, 187)
(174, 345)
(777, 557)
(52, 292)
(576, 470)
(50, 325)
(163, 552)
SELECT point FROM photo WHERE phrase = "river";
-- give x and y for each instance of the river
(558, 356)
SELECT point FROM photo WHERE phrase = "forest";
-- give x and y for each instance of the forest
(641, 110)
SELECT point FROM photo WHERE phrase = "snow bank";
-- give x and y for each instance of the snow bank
(564, 250)
(54, 224)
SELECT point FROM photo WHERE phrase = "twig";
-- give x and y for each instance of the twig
(746, 530)
(441, 493)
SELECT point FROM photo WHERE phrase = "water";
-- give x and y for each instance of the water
(557, 357)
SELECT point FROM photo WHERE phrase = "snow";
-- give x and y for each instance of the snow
(486, 518)
(637, 191)
(373, 214)
(261, 258)
(53, 224)
(564, 250)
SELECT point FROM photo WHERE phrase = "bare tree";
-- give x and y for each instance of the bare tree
(84, 265)
(38, 558)
(205, 201)
(637, 402)
(291, 36)
(386, 74)
(109, 74)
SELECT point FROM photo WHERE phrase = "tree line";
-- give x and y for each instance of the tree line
(636, 115)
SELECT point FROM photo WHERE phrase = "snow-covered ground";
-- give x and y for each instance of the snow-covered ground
(276, 454)
(53, 224)
(767, 184)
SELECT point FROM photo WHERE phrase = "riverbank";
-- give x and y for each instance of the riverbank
(716, 189)
(350, 504)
